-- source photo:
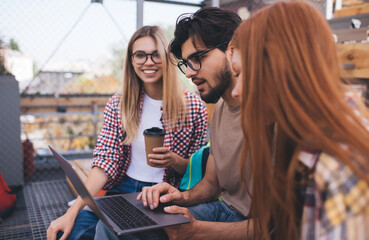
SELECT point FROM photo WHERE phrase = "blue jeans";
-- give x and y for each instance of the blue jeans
(85, 223)
(217, 211)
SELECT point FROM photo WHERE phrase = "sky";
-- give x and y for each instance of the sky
(40, 27)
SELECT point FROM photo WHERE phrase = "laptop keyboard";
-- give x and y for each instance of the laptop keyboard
(123, 213)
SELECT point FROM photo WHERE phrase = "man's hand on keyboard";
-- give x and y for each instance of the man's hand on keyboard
(160, 193)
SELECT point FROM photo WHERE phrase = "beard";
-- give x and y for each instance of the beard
(223, 79)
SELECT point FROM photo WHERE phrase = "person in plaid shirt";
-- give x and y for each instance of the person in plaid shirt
(151, 97)
(307, 134)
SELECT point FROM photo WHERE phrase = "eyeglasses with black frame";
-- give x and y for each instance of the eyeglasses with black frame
(140, 57)
(193, 61)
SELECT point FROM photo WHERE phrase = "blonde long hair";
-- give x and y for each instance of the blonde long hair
(291, 75)
(173, 97)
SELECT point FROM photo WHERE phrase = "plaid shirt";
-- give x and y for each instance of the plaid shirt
(114, 157)
(336, 200)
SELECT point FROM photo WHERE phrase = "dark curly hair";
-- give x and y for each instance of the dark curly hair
(211, 25)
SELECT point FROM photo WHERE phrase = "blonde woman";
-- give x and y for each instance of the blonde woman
(151, 97)
(306, 134)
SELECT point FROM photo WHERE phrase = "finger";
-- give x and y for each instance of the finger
(155, 195)
(149, 198)
(158, 156)
(169, 197)
(161, 149)
(64, 236)
(51, 233)
(175, 210)
(159, 162)
(153, 198)
(179, 210)
(161, 188)
(139, 196)
(143, 196)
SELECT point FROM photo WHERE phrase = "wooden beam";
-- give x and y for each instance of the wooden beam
(61, 109)
(349, 11)
(350, 3)
(355, 59)
(64, 103)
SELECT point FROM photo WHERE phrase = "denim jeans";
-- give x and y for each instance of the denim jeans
(85, 223)
(217, 211)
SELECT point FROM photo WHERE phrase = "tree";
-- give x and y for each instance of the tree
(14, 45)
(100, 85)
(3, 70)
(169, 31)
(119, 54)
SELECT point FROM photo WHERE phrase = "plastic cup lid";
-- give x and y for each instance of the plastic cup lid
(154, 132)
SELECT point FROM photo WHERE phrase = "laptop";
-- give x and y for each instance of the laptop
(122, 213)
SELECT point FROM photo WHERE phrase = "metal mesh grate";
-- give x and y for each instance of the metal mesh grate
(45, 202)
(37, 205)
(16, 226)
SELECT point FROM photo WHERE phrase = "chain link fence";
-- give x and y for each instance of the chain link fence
(69, 47)
(77, 47)
(59, 50)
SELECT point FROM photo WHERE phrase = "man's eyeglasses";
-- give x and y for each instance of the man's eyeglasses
(140, 57)
(193, 61)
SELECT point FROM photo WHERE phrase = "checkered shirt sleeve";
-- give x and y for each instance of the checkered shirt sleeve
(110, 154)
(336, 203)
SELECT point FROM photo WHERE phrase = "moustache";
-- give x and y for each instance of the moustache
(198, 79)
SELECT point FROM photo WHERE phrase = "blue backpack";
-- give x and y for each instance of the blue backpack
(195, 168)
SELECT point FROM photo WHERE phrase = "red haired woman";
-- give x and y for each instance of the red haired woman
(306, 134)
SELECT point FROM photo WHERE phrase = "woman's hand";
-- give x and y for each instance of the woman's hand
(64, 223)
(163, 157)
(94, 183)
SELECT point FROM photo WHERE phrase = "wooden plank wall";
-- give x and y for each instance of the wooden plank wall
(352, 46)
(352, 10)
(355, 59)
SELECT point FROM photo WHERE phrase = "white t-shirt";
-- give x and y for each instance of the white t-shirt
(138, 169)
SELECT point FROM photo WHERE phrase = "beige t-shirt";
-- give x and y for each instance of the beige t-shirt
(226, 141)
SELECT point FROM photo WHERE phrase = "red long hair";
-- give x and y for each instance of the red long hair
(291, 76)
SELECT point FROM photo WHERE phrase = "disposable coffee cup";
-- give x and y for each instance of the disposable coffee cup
(154, 137)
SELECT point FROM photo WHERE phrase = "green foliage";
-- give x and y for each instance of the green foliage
(169, 31)
(14, 45)
(3, 70)
(100, 85)
(119, 54)
(34, 69)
